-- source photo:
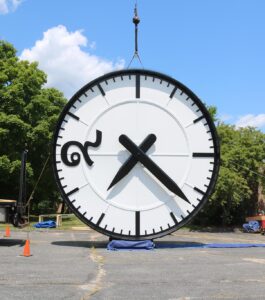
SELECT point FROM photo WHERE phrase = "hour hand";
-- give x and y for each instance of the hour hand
(152, 166)
(132, 161)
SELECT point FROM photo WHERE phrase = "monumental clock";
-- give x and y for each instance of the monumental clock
(136, 154)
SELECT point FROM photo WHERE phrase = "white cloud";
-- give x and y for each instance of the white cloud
(251, 120)
(7, 6)
(67, 65)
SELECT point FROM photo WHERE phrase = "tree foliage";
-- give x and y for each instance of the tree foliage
(28, 113)
(236, 192)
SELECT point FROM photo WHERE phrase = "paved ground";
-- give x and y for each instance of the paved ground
(76, 265)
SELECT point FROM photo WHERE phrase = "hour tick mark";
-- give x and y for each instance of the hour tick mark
(198, 119)
(101, 90)
(137, 86)
(72, 191)
(100, 219)
(173, 218)
(173, 92)
(137, 223)
(73, 115)
(202, 154)
(199, 191)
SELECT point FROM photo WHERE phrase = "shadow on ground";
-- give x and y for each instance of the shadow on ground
(11, 242)
(103, 244)
(85, 244)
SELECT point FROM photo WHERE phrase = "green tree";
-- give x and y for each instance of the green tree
(28, 113)
(236, 192)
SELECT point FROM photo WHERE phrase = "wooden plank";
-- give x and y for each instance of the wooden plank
(256, 218)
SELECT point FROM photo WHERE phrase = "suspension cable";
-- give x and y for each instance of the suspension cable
(136, 21)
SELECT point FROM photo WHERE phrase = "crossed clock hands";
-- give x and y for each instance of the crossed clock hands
(138, 154)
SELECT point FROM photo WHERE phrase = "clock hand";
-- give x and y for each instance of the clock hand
(132, 161)
(152, 166)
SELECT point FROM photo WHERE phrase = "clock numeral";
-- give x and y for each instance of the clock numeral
(75, 156)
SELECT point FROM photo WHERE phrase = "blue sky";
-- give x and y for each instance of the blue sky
(215, 47)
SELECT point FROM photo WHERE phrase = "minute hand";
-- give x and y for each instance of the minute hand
(152, 166)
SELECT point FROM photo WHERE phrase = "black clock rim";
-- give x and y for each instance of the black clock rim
(206, 115)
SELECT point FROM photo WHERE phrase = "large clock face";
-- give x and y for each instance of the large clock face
(136, 154)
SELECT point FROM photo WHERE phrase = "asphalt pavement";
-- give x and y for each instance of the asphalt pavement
(76, 265)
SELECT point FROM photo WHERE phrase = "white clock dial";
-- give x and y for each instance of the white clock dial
(136, 154)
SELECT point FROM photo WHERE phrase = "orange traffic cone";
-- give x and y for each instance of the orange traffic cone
(7, 231)
(26, 251)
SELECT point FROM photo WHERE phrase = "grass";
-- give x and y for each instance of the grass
(68, 222)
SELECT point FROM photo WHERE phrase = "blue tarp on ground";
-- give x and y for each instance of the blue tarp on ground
(149, 245)
(251, 226)
(233, 245)
(130, 245)
(45, 224)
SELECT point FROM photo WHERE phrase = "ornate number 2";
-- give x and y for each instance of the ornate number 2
(75, 156)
